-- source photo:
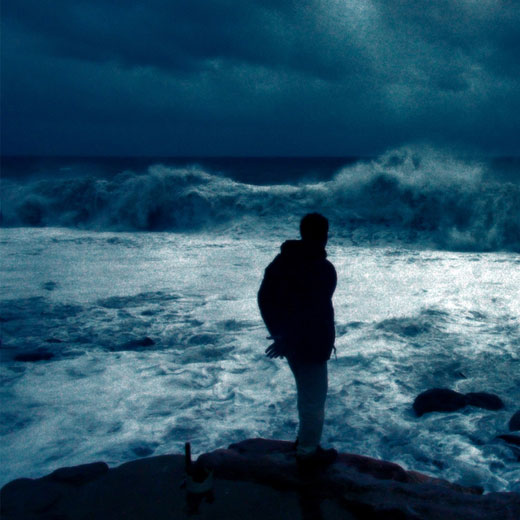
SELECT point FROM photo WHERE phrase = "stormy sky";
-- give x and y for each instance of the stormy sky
(258, 77)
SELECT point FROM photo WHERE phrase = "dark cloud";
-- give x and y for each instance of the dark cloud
(179, 35)
(258, 77)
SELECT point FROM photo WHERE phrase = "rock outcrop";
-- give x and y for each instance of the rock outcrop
(511, 439)
(253, 479)
(484, 400)
(446, 400)
(514, 423)
(33, 356)
(438, 400)
(135, 344)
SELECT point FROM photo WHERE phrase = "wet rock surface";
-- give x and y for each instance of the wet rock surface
(438, 400)
(26, 496)
(135, 344)
(255, 478)
(78, 475)
(34, 356)
(514, 423)
(511, 439)
(446, 400)
(484, 400)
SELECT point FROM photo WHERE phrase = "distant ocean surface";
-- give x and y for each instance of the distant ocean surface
(129, 320)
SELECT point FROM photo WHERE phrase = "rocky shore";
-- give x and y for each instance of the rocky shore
(253, 479)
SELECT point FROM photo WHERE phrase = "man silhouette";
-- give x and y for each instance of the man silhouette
(295, 300)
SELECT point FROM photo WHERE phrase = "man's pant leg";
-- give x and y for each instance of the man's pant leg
(311, 385)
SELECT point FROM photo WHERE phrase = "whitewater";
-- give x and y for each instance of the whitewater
(138, 292)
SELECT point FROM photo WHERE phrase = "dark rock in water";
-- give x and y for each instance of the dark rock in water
(511, 439)
(144, 450)
(145, 342)
(446, 400)
(438, 400)
(136, 343)
(38, 355)
(78, 475)
(514, 423)
(26, 496)
(484, 400)
(513, 442)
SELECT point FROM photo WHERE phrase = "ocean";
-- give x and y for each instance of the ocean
(130, 324)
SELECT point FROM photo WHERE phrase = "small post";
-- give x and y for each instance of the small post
(199, 482)
(187, 457)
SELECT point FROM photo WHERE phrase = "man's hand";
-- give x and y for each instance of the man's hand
(276, 350)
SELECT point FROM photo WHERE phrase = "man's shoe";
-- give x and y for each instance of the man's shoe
(319, 459)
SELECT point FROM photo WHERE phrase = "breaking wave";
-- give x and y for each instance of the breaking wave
(419, 194)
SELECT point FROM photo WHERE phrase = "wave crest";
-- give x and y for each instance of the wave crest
(425, 194)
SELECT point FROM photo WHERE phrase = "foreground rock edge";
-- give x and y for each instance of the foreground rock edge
(356, 484)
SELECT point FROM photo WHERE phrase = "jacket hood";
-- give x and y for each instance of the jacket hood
(301, 249)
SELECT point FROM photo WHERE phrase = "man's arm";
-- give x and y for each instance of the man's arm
(272, 304)
(332, 278)
(271, 301)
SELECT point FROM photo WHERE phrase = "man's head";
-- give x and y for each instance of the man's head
(314, 228)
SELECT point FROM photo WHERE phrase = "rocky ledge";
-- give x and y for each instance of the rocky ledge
(253, 479)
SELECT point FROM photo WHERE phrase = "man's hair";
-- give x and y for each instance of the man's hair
(314, 226)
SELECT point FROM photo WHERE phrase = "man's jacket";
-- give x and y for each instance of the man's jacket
(295, 300)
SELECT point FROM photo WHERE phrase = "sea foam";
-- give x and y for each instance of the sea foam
(419, 195)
